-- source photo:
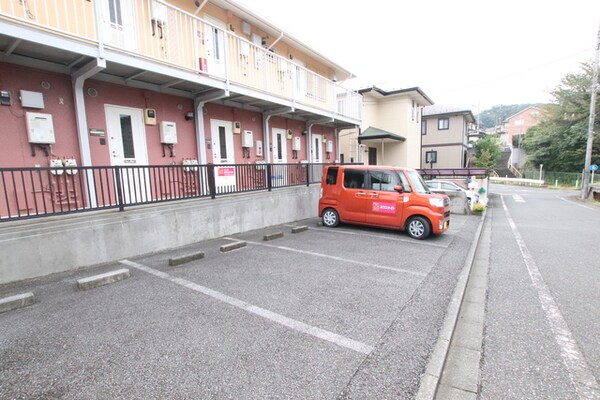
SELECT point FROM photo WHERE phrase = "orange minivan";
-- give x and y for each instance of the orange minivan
(383, 196)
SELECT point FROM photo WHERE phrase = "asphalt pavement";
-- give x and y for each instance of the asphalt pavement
(350, 312)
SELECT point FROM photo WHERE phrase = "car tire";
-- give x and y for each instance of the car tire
(418, 228)
(330, 218)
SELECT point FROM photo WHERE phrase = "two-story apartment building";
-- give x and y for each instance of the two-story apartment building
(389, 134)
(445, 136)
(152, 82)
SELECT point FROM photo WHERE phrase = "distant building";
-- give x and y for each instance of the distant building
(389, 134)
(513, 131)
(445, 135)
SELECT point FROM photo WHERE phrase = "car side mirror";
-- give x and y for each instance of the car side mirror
(399, 188)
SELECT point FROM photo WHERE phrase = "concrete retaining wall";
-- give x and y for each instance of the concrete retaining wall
(35, 248)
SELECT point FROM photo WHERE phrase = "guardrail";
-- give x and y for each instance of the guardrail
(517, 181)
(41, 192)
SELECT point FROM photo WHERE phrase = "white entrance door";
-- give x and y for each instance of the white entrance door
(118, 23)
(317, 150)
(223, 153)
(127, 144)
(214, 33)
(279, 173)
(279, 146)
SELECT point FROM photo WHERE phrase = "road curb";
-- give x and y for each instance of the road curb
(16, 301)
(176, 261)
(95, 281)
(232, 246)
(433, 373)
(298, 229)
(273, 236)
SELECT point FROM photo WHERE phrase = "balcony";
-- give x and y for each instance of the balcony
(155, 43)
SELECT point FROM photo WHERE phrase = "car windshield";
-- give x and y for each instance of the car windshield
(419, 185)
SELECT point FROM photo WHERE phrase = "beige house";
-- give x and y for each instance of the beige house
(445, 136)
(390, 130)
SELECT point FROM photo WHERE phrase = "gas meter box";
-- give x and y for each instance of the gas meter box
(297, 143)
(329, 146)
(247, 139)
(40, 128)
(168, 132)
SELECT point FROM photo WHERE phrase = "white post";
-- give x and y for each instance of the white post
(541, 169)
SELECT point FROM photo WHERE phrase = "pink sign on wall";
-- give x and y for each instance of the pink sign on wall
(226, 171)
(385, 208)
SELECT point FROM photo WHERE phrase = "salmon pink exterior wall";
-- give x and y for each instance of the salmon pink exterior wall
(58, 101)
(15, 150)
(168, 108)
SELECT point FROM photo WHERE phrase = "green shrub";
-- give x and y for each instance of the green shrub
(478, 208)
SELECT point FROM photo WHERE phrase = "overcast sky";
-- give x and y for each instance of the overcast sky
(465, 53)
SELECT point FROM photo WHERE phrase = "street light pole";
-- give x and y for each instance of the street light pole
(590, 140)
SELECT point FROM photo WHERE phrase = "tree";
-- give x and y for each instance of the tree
(487, 152)
(559, 141)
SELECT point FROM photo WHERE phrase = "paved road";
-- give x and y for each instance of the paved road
(542, 320)
(324, 314)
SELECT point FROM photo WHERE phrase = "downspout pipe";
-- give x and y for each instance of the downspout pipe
(266, 119)
(78, 79)
(199, 102)
(309, 125)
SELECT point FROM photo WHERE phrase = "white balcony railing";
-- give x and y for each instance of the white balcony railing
(158, 31)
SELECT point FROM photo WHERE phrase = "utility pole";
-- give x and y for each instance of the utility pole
(590, 140)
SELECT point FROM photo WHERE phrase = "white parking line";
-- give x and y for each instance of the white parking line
(345, 260)
(293, 324)
(411, 241)
(579, 372)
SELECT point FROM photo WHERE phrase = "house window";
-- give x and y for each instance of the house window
(443, 124)
(520, 122)
(114, 9)
(423, 127)
(431, 157)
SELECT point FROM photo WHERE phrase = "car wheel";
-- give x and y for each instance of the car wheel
(418, 228)
(330, 218)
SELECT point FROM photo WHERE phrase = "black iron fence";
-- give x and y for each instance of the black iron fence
(39, 192)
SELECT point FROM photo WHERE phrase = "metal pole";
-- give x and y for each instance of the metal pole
(590, 140)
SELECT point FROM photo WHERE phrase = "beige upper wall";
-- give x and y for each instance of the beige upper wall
(456, 132)
(396, 115)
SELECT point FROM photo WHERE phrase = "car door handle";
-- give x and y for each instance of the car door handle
(373, 195)
(360, 193)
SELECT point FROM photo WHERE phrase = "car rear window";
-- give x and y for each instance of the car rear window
(354, 179)
(331, 178)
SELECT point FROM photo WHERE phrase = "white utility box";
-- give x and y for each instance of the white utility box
(40, 128)
(297, 143)
(329, 146)
(168, 132)
(247, 139)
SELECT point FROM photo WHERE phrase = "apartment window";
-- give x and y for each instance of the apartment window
(423, 127)
(520, 122)
(443, 124)
(431, 157)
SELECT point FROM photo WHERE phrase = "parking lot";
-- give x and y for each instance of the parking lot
(350, 312)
